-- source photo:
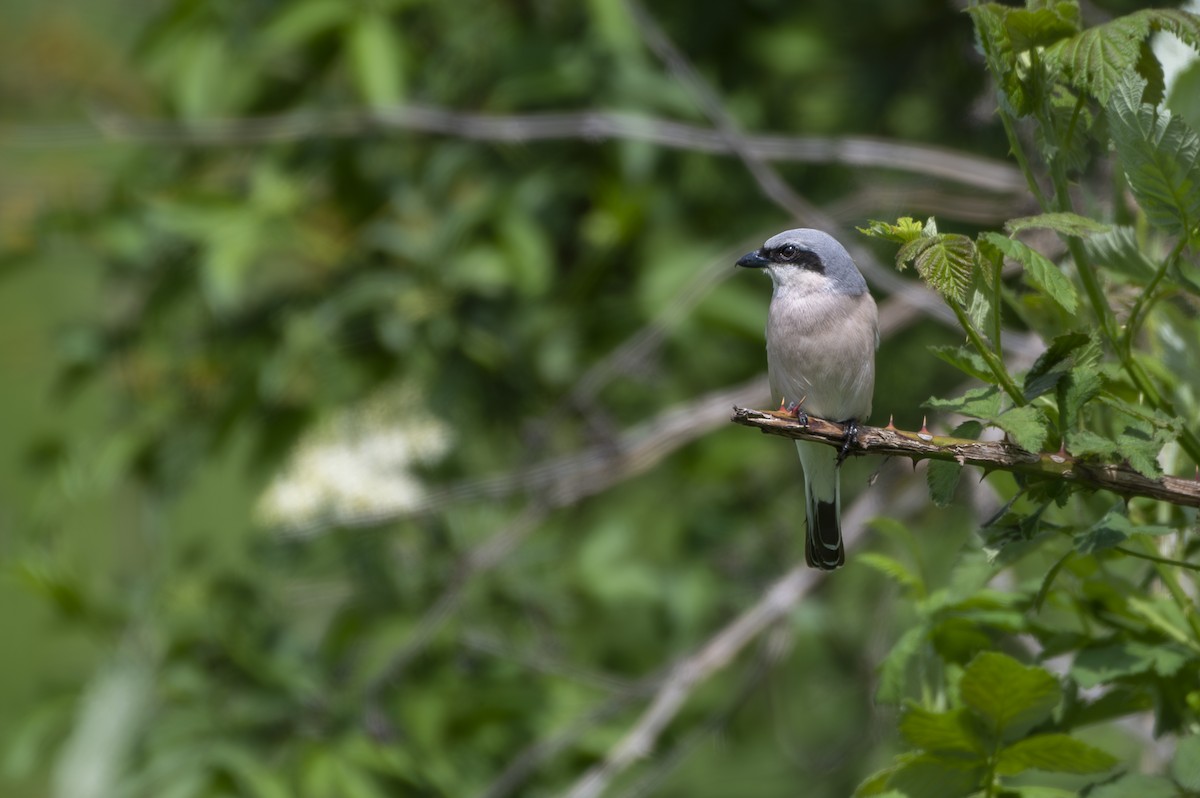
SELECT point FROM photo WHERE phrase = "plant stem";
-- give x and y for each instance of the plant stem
(1142, 305)
(1191, 566)
(994, 363)
(1091, 284)
(1014, 146)
(1173, 587)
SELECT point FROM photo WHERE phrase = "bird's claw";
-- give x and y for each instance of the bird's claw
(851, 427)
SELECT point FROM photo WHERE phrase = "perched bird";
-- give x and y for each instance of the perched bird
(822, 332)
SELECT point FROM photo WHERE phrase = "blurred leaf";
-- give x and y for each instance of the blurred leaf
(1071, 224)
(1185, 765)
(893, 671)
(1136, 785)
(1118, 250)
(941, 732)
(1057, 753)
(1102, 664)
(1011, 697)
(375, 60)
(1113, 530)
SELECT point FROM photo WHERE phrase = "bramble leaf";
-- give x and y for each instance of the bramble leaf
(1028, 426)
(1158, 152)
(1071, 224)
(1041, 271)
(905, 229)
(1058, 753)
(1011, 697)
(941, 732)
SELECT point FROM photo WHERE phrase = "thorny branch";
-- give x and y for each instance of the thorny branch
(991, 455)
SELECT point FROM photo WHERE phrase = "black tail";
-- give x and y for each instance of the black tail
(823, 544)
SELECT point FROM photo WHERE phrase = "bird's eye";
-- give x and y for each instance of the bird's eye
(788, 251)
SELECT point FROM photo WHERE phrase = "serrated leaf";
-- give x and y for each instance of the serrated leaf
(1113, 530)
(1141, 448)
(1042, 272)
(1102, 664)
(1028, 426)
(1057, 753)
(1030, 28)
(1053, 364)
(1086, 442)
(905, 229)
(1158, 153)
(982, 402)
(941, 732)
(1011, 697)
(1097, 58)
(965, 359)
(1118, 250)
(943, 476)
(1073, 391)
(1185, 766)
(1071, 224)
(946, 263)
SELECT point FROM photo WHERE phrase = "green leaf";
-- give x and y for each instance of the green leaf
(1158, 152)
(965, 359)
(1011, 697)
(982, 402)
(374, 52)
(1141, 448)
(941, 732)
(1113, 530)
(905, 229)
(1185, 766)
(1053, 364)
(1096, 59)
(1102, 664)
(1030, 28)
(893, 671)
(1057, 753)
(1078, 387)
(930, 776)
(1118, 251)
(1028, 426)
(1136, 785)
(1041, 271)
(890, 566)
(946, 262)
(1071, 224)
(943, 478)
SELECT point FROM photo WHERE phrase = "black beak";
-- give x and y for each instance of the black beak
(752, 260)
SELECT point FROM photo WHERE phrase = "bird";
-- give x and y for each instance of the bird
(822, 333)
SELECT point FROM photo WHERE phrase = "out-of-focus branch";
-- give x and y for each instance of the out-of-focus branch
(991, 455)
(593, 125)
(714, 655)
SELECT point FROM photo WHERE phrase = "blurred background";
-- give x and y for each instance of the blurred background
(366, 372)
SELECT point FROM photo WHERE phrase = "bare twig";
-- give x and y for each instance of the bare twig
(860, 151)
(991, 455)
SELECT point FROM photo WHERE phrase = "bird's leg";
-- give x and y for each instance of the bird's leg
(794, 410)
(851, 427)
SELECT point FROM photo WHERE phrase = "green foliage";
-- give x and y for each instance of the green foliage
(440, 326)
(969, 748)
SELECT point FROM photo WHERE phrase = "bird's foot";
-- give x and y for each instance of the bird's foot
(851, 427)
(793, 409)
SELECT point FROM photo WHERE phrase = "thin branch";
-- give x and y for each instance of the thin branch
(991, 455)
(593, 125)
(698, 667)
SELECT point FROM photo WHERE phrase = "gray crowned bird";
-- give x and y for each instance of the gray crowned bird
(822, 332)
